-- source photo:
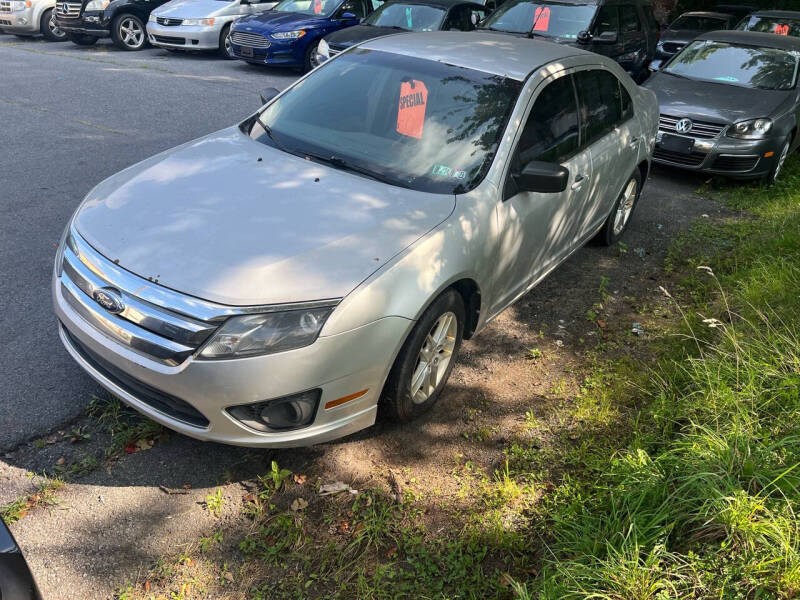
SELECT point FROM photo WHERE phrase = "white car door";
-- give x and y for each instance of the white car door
(537, 229)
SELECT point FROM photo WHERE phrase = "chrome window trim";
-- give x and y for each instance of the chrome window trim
(158, 295)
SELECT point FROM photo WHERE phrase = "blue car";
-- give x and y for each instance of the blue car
(289, 34)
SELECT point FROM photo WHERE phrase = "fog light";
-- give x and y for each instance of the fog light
(22, 21)
(92, 19)
(290, 412)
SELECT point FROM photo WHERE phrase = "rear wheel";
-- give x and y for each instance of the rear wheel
(423, 366)
(617, 222)
(775, 172)
(225, 49)
(82, 40)
(128, 33)
(49, 27)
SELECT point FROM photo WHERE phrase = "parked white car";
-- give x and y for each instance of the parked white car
(199, 24)
(30, 17)
(272, 283)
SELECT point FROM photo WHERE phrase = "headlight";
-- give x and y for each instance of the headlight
(97, 4)
(289, 35)
(17, 5)
(323, 48)
(250, 335)
(198, 22)
(151, 18)
(753, 129)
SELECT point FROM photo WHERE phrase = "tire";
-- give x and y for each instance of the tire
(129, 33)
(82, 40)
(617, 222)
(310, 61)
(438, 334)
(777, 168)
(225, 50)
(49, 27)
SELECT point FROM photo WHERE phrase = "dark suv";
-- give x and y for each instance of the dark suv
(86, 21)
(624, 30)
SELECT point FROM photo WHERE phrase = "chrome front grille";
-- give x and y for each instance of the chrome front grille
(69, 10)
(334, 50)
(144, 324)
(254, 40)
(5, 6)
(168, 22)
(700, 129)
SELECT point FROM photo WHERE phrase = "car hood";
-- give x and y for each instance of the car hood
(713, 101)
(350, 36)
(197, 9)
(678, 36)
(278, 21)
(233, 221)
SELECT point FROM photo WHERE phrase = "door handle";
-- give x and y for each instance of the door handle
(576, 185)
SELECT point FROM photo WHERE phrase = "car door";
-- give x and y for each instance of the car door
(634, 39)
(610, 133)
(537, 228)
(606, 39)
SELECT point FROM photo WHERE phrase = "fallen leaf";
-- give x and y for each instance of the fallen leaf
(298, 504)
(601, 324)
(391, 552)
(144, 444)
(299, 479)
(61, 461)
(130, 449)
(333, 488)
(228, 576)
(249, 497)
(146, 586)
(187, 485)
(344, 527)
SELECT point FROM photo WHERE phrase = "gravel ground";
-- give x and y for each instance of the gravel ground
(73, 116)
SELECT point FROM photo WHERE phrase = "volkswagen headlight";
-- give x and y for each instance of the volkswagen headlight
(97, 4)
(251, 335)
(752, 129)
(201, 22)
(323, 49)
(289, 35)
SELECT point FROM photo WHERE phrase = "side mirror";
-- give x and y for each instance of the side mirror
(348, 15)
(655, 65)
(268, 94)
(543, 177)
(607, 37)
(584, 37)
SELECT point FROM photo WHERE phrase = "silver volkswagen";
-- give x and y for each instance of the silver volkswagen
(200, 24)
(274, 283)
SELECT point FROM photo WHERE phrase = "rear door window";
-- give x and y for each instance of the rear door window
(601, 103)
(630, 19)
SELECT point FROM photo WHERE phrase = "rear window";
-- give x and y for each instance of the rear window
(744, 66)
(549, 19)
(698, 24)
(789, 27)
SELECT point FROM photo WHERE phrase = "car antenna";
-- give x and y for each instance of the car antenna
(535, 20)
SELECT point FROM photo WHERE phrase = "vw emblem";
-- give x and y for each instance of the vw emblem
(110, 299)
(684, 126)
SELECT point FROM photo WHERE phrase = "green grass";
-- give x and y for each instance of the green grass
(45, 495)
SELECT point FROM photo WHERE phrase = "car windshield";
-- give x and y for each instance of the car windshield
(410, 122)
(695, 23)
(318, 8)
(413, 17)
(541, 18)
(771, 25)
(745, 66)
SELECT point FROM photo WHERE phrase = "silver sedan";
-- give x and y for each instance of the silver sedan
(274, 283)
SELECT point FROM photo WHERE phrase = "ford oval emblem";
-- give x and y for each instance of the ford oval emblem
(110, 299)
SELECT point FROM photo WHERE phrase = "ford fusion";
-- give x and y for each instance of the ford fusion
(729, 104)
(273, 283)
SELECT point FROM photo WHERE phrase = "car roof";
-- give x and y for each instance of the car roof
(707, 13)
(440, 3)
(502, 54)
(778, 14)
(753, 38)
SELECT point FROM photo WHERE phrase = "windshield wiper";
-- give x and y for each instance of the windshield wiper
(340, 163)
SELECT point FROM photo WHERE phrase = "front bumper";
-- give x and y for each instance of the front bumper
(339, 365)
(92, 23)
(731, 157)
(185, 37)
(20, 22)
(288, 53)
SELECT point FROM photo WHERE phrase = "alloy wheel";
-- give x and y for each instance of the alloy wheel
(434, 357)
(228, 47)
(52, 25)
(625, 207)
(131, 33)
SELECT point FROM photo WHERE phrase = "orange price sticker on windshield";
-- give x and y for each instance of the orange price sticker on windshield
(317, 7)
(541, 19)
(411, 108)
(782, 29)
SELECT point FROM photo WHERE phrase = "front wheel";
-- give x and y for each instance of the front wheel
(49, 27)
(225, 48)
(311, 57)
(775, 172)
(617, 222)
(82, 40)
(128, 33)
(425, 361)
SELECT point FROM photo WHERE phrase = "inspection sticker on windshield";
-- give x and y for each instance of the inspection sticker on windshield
(411, 109)
(445, 171)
